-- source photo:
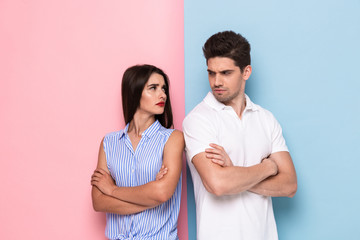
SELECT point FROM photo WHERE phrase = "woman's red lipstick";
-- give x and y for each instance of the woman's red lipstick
(161, 104)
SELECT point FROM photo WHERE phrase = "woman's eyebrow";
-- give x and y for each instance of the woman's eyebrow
(153, 85)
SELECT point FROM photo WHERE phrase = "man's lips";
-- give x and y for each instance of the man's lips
(161, 104)
(218, 90)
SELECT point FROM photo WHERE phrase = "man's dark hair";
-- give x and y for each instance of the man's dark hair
(228, 44)
(133, 83)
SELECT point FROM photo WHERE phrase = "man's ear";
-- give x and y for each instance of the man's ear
(247, 72)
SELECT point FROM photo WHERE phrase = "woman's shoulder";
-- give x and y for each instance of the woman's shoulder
(177, 134)
(113, 135)
(165, 131)
(176, 137)
(170, 132)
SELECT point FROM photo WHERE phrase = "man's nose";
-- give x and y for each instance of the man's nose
(218, 80)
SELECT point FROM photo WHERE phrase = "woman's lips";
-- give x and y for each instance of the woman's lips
(161, 104)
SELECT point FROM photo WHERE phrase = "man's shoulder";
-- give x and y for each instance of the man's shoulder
(265, 116)
(261, 110)
(202, 111)
(266, 113)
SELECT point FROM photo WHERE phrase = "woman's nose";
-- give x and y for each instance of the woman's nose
(162, 95)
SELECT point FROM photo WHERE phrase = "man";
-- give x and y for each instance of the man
(235, 149)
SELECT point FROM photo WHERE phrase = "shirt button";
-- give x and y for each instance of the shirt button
(132, 171)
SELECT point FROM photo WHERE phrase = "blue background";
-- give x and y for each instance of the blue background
(305, 59)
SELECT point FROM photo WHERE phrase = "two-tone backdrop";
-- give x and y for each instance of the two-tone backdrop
(61, 64)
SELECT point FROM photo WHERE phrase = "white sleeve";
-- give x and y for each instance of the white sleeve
(199, 132)
(277, 140)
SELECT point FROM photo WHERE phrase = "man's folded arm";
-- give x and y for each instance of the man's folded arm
(230, 180)
(284, 184)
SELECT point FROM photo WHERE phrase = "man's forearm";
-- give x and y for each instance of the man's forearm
(280, 185)
(249, 177)
(284, 184)
(233, 180)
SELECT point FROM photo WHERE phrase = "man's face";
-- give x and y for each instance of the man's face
(226, 79)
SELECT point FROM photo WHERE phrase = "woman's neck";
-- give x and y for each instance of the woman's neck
(140, 123)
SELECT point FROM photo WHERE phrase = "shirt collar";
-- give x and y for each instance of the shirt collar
(218, 106)
(149, 132)
(250, 105)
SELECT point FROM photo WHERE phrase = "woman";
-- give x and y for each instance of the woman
(140, 196)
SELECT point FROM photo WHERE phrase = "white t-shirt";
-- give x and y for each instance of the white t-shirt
(247, 141)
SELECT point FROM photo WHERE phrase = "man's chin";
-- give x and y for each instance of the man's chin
(221, 98)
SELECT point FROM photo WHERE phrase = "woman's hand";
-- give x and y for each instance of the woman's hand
(103, 181)
(161, 173)
(218, 155)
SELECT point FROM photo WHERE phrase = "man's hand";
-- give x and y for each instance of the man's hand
(283, 182)
(218, 155)
(161, 173)
(103, 181)
(272, 163)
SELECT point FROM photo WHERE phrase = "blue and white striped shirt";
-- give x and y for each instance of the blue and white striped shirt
(130, 169)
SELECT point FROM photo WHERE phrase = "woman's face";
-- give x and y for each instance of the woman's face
(153, 96)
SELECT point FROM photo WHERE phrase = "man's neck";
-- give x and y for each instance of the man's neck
(238, 104)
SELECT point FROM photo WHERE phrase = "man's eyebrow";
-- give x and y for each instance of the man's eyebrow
(228, 70)
(223, 71)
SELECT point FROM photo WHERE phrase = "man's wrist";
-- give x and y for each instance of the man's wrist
(270, 166)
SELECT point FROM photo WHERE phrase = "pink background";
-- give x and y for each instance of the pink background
(61, 64)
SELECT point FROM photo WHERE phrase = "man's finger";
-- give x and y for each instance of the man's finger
(219, 162)
(216, 146)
